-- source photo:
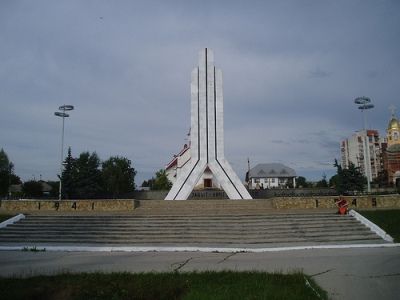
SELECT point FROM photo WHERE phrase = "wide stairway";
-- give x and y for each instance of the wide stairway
(219, 224)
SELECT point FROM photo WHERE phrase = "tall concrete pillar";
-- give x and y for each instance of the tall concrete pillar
(207, 135)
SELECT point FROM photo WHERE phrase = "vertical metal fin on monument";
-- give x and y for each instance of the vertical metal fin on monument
(207, 135)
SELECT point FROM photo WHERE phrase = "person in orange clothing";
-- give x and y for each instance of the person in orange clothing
(342, 205)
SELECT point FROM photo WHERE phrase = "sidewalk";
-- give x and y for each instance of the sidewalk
(345, 273)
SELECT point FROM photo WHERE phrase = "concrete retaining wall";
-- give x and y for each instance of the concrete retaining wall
(354, 202)
(66, 205)
(256, 194)
(131, 204)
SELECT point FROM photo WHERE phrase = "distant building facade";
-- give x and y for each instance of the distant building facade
(377, 157)
(391, 153)
(363, 149)
(273, 175)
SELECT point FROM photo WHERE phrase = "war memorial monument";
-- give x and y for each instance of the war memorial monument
(207, 134)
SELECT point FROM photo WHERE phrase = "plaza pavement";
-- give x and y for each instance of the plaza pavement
(365, 272)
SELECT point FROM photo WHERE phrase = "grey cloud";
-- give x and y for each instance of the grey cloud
(291, 72)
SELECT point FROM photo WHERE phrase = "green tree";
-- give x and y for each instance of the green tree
(349, 180)
(301, 182)
(161, 182)
(323, 183)
(118, 175)
(15, 179)
(55, 185)
(6, 170)
(148, 183)
(86, 176)
(67, 185)
(32, 188)
(333, 182)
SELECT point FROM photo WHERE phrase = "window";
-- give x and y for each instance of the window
(207, 183)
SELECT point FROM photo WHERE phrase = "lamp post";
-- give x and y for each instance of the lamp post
(364, 106)
(63, 115)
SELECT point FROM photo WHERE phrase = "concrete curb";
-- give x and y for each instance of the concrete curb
(375, 228)
(12, 220)
(185, 249)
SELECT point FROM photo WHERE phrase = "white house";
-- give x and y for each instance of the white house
(274, 175)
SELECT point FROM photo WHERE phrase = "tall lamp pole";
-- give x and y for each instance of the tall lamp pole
(364, 106)
(63, 115)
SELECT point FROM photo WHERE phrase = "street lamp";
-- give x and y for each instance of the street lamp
(63, 115)
(364, 106)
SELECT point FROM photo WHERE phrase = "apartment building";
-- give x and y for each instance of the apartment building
(363, 149)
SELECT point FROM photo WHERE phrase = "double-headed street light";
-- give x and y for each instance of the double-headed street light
(63, 115)
(364, 106)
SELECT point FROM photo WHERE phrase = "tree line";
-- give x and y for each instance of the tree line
(87, 177)
(83, 177)
(346, 181)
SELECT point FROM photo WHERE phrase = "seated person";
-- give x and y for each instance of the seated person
(342, 205)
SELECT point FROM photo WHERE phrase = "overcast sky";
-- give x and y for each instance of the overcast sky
(291, 72)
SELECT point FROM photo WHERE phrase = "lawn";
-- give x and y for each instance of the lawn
(194, 285)
(5, 217)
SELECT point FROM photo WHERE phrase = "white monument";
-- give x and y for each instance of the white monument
(207, 135)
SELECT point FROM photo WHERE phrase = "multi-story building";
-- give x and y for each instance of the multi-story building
(380, 158)
(363, 149)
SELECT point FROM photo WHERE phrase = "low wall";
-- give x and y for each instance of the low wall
(255, 194)
(126, 205)
(67, 205)
(354, 202)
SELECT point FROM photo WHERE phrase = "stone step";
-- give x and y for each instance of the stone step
(198, 227)
(191, 219)
(244, 218)
(208, 230)
(181, 235)
(201, 230)
(134, 222)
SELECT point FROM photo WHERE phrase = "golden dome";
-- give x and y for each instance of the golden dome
(393, 124)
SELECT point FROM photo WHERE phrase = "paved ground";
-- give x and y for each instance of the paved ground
(345, 273)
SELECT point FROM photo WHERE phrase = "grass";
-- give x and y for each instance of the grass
(388, 220)
(173, 285)
(5, 217)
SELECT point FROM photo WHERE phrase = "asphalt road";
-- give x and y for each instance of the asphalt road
(349, 273)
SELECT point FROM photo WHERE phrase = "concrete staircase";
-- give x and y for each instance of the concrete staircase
(183, 224)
